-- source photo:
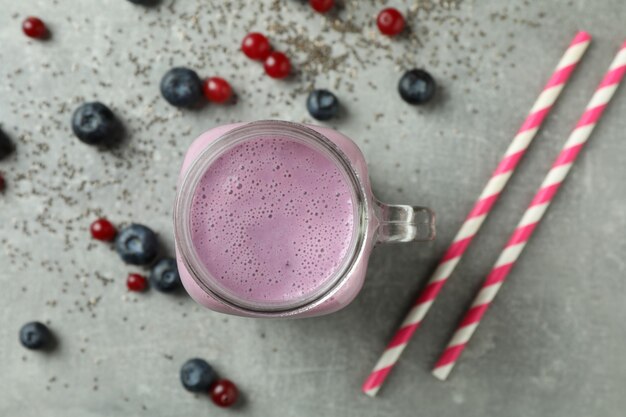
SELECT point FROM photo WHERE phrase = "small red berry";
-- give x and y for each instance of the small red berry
(322, 6)
(256, 46)
(390, 22)
(2, 183)
(277, 65)
(217, 90)
(223, 392)
(102, 229)
(34, 27)
(136, 282)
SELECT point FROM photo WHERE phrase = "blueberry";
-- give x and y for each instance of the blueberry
(417, 86)
(164, 275)
(6, 146)
(95, 124)
(145, 2)
(182, 87)
(197, 375)
(136, 244)
(322, 104)
(35, 335)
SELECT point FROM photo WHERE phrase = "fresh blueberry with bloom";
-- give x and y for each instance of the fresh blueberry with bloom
(145, 2)
(137, 244)
(164, 275)
(197, 375)
(6, 146)
(95, 124)
(182, 87)
(417, 86)
(35, 335)
(322, 104)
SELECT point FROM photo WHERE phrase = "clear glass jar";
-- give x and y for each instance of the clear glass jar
(373, 221)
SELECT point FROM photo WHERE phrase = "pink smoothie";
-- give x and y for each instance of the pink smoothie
(272, 220)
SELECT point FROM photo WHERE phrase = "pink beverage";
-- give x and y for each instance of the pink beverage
(272, 219)
(276, 219)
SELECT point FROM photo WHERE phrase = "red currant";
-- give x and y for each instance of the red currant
(390, 22)
(322, 6)
(34, 27)
(256, 46)
(277, 65)
(102, 229)
(217, 89)
(136, 282)
(223, 392)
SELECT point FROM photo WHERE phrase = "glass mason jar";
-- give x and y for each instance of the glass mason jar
(209, 275)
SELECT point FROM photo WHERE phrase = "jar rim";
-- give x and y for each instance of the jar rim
(191, 178)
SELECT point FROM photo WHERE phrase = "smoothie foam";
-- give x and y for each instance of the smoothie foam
(272, 219)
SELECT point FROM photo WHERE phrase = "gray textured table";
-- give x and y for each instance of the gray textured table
(554, 340)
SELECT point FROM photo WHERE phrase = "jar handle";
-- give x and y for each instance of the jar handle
(399, 223)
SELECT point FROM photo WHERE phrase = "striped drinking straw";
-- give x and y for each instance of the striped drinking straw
(533, 214)
(479, 212)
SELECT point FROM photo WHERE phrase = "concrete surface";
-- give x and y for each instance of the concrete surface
(553, 343)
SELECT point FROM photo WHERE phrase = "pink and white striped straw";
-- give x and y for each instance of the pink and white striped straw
(533, 214)
(479, 212)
